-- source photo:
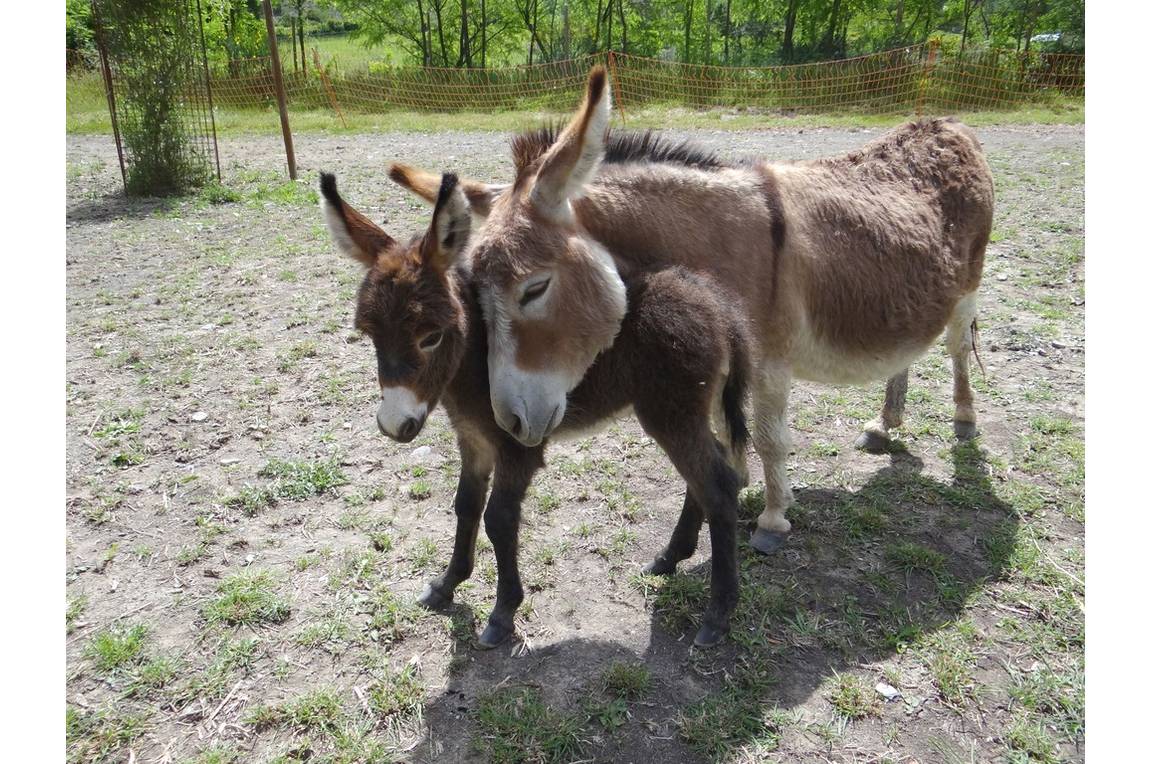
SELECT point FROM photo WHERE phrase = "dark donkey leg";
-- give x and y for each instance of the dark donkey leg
(713, 485)
(683, 542)
(875, 438)
(476, 463)
(515, 466)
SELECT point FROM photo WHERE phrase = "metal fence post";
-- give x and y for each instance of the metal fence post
(278, 80)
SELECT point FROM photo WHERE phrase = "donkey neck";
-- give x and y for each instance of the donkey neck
(656, 215)
(466, 395)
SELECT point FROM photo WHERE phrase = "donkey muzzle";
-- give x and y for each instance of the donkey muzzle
(401, 415)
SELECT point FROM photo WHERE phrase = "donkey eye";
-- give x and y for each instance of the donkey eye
(430, 341)
(534, 291)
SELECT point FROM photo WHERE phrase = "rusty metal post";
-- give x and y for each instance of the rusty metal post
(278, 81)
(619, 94)
(109, 92)
(208, 89)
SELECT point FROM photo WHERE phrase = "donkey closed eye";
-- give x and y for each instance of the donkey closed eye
(534, 291)
(430, 341)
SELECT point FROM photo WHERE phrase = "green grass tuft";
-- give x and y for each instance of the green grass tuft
(247, 599)
(301, 480)
(852, 697)
(515, 725)
(627, 680)
(397, 693)
(117, 647)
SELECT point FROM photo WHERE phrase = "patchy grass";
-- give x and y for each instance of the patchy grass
(315, 711)
(627, 680)
(953, 572)
(117, 647)
(396, 692)
(247, 599)
(94, 737)
(516, 725)
(76, 607)
(852, 697)
(735, 717)
(300, 480)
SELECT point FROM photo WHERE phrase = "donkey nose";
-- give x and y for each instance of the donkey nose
(518, 430)
(408, 430)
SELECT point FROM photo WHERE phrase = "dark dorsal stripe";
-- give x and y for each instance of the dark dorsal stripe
(620, 148)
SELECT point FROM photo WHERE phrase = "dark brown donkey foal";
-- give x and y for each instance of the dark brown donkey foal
(681, 353)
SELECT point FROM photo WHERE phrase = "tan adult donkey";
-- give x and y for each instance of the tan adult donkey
(849, 268)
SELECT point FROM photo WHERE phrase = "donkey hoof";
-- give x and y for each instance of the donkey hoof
(709, 635)
(494, 633)
(965, 430)
(433, 599)
(767, 542)
(661, 566)
(873, 442)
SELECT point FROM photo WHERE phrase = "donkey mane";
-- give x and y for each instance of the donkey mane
(619, 148)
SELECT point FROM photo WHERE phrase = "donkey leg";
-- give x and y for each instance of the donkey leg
(476, 462)
(718, 493)
(961, 341)
(684, 539)
(773, 443)
(515, 467)
(712, 488)
(875, 438)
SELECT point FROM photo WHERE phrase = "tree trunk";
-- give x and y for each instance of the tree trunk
(440, 33)
(623, 27)
(727, 28)
(970, 7)
(688, 31)
(292, 34)
(567, 33)
(599, 18)
(828, 43)
(707, 33)
(788, 52)
(609, 14)
(465, 56)
(483, 34)
(303, 58)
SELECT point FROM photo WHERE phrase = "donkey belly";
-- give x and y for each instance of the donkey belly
(819, 361)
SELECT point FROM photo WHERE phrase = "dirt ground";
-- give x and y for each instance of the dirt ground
(244, 549)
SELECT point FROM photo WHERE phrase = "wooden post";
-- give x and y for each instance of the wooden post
(278, 80)
(109, 91)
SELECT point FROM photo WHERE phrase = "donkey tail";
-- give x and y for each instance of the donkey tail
(732, 398)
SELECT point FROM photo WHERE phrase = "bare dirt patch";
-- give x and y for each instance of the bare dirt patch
(244, 548)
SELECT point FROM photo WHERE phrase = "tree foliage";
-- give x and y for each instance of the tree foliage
(482, 33)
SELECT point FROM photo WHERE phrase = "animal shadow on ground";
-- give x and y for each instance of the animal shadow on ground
(866, 574)
(117, 206)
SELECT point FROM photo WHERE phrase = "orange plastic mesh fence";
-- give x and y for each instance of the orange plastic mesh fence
(919, 78)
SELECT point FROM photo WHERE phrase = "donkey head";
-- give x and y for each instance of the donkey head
(551, 295)
(408, 303)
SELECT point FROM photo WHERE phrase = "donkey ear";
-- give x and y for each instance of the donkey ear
(451, 223)
(426, 185)
(572, 160)
(355, 235)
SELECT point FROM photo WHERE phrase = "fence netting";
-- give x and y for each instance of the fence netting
(158, 92)
(921, 79)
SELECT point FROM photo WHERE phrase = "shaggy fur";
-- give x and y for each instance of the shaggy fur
(681, 351)
(850, 267)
